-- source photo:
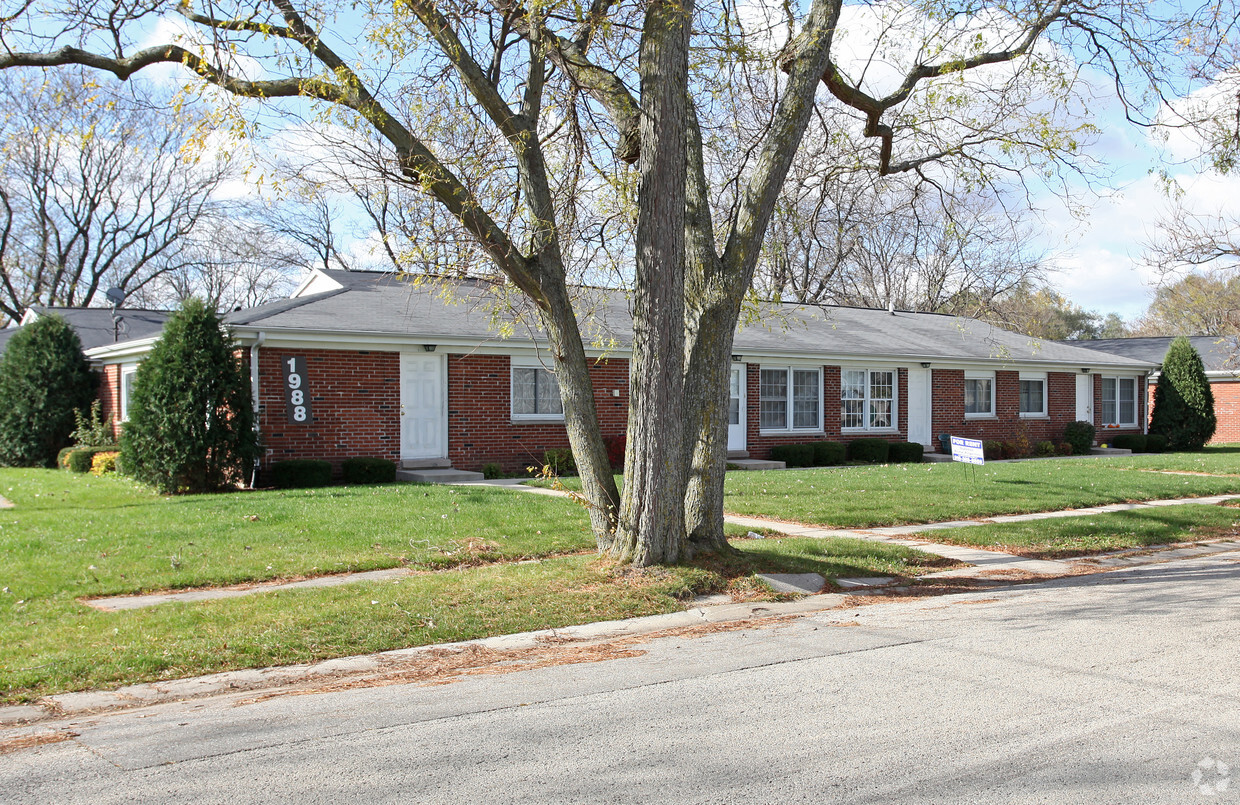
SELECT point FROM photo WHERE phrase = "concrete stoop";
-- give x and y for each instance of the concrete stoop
(445, 475)
(755, 464)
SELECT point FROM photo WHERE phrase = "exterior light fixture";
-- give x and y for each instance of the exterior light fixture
(428, 347)
(736, 359)
(1084, 370)
(925, 364)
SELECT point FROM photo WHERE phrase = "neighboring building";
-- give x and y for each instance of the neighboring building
(388, 368)
(1219, 354)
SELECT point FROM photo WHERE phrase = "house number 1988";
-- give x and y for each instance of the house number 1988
(296, 389)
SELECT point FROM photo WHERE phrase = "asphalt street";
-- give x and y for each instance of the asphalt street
(1121, 687)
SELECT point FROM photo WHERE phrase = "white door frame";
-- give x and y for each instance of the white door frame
(440, 450)
(1085, 397)
(920, 411)
(737, 434)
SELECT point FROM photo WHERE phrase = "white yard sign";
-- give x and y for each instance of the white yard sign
(967, 450)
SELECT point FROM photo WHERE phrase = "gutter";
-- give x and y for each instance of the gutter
(258, 342)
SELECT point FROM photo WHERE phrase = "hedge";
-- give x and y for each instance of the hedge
(297, 473)
(906, 452)
(827, 454)
(368, 470)
(1135, 442)
(1155, 443)
(794, 455)
(80, 458)
(1080, 435)
(874, 451)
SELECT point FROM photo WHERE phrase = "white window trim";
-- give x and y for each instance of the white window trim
(1136, 401)
(126, 370)
(527, 363)
(895, 399)
(1043, 378)
(994, 407)
(818, 429)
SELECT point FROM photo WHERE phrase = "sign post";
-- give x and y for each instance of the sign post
(968, 451)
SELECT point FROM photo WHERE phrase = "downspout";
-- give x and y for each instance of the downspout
(258, 342)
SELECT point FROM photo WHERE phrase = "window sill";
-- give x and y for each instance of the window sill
(885, 431)
(1034, 416)
(792, 433)
(981, 416)
(536, 420)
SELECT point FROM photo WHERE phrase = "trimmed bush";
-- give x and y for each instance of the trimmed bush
(300, 473)
(191, 420)
(992, 450)
(1155, 443)
(1080, 435)
(62, 458)
(1045, 449)
(906, 452)
(794, 455)
(103, 462)
(874, 451)
(44, 381)
(560, 461)
(1009, 450)
(1183, 401)
(828, 454)
(368, 470)
(492, 470)
(80, 459)
(1130, 441)
(1063, 449)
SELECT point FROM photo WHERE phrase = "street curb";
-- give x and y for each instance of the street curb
(148, 693)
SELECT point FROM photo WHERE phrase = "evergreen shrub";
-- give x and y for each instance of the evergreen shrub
(1183, 401)
(368, 470)
(300, 473)
(874, 451)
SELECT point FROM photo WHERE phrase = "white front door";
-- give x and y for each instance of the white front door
(1084, 398)
(919, 407)
(423, 407)
(736, 408)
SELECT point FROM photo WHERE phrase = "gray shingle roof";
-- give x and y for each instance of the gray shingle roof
(1219, 354)
(385, 304)
(94, 325)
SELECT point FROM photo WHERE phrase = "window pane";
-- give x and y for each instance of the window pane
(880, 414)
(977, 396)
(882, 385)
(773, 398)
(734, 411)
(805, 400)
(548, 393)
(852, 384)
(523, 391)
(1108, 401)
(734, 398)
(852, 413)
(1031, 401)
(1127, 400)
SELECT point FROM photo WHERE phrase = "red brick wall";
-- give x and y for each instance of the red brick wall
(354, 405)
(480, 424)
(109, 393)
(948, 407)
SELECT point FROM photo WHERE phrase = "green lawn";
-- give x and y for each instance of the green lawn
(898, 494)
(1223, 459)
(1098, 533)
(74, 536)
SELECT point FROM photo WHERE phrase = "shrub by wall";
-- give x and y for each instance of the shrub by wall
(1183, 401)
(103, 462)
(560, 461)
(1130, 441)
(828, 454)
(992, 450)
(191, 420)
(81, 459)
(1080, 435)
(906, 452)
(874, 451)
(368, 470)
(300, 473)
(794, 455)
(1155, 443)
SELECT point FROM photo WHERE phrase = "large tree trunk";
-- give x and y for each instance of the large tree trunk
(652, 528)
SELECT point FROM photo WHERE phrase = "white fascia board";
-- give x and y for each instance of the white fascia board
(287, 338)
(115, 353)
(937, 362)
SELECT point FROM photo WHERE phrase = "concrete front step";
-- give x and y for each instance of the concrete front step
(425, 464)
(755, 464)
(437, 475)
(738, 454)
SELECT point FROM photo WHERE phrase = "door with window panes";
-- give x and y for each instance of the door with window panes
(736, 409)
